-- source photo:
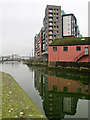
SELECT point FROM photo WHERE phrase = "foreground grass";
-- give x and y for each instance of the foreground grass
(15, 102)
(0, 96)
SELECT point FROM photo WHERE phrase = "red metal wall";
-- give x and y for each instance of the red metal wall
(67, 56)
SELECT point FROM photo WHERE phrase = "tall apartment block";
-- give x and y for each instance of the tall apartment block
(56, 24)
(69, 25)
(38, 44)
(52, 25)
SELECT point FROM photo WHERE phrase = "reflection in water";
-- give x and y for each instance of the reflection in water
(61, 91)
(64, 94)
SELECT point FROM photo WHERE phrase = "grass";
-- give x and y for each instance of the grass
(15, 102)
(0, 96)
(71, 41)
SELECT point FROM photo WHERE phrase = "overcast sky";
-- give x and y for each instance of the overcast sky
(20, 20)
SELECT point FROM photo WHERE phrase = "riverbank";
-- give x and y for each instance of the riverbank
(15, 102)
(0, 96)
(65, 66)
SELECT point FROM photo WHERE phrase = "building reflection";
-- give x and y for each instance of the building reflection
(60, 94)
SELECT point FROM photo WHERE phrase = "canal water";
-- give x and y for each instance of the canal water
(57, 93)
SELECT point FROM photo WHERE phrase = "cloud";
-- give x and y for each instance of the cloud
(22, 19)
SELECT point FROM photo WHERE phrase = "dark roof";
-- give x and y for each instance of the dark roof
(71, 41)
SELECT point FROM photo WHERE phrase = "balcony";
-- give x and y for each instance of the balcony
(50, 37)
(50, 41)
(50, 19)
(50, 32)
(50, 23)
(50, 28)
(50, 15)
(50, 10)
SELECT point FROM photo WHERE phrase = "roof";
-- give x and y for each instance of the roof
(71, 41)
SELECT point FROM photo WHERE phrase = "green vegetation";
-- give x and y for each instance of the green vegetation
(76, 66)
(15, 102)
(71, 41)
(0, 96)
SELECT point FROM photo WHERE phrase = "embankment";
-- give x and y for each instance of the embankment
(77, 66)
(15, 102)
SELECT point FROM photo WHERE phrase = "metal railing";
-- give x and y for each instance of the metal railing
(79, 56)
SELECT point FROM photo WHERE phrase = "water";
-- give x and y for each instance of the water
(58, 94)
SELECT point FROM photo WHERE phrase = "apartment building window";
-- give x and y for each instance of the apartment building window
(68, 32)
(50, 19)
(50, 41)
(54, 14)
(50, 23)
(68, 28)
(57, 18)
(57, 31)
(78, 48)
(50, 10)
(54, 36)
(50, 28)
(54, 23)
(54, 27)
(54, 48)
(65, 48)
(50, 37)
(50, 32)
(57, 10)
(54, 10)
(50, 15)
(57, 26)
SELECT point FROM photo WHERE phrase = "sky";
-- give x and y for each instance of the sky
(20, 20)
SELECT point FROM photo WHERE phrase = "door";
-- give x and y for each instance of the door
(86, 51)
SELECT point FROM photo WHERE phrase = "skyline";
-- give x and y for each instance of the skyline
(21, 20)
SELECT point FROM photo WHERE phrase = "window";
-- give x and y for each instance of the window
(54, 27)
(68, 28)
(57, 18)
(65, 89)
(54, 48)
(65, 48)
(54, 23)
(78, 90)
(50, 10)
(68, 32)
(54, 88)
(54, 36)
(78, 48)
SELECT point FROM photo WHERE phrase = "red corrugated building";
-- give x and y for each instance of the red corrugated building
(70, 50)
